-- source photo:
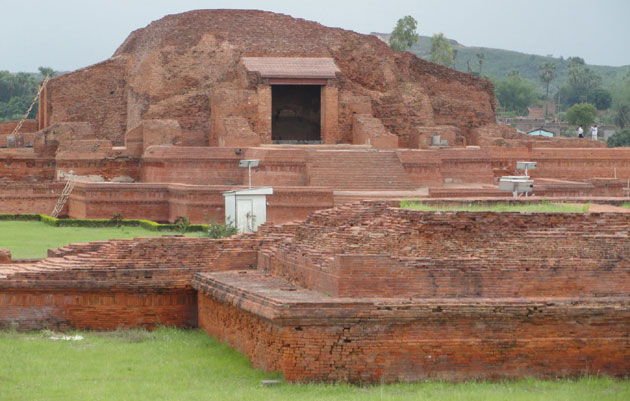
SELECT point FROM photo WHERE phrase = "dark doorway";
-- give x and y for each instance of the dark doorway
(295, 113)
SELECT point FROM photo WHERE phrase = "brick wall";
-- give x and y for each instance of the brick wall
(199, 203)
(458, 295)
(96, 94)
(8, 127)
(97, 310)
(369, 130)
(30, 198)
(362, 250)
(330, 114)
(143, 282)
(22, 165)
(322, 339)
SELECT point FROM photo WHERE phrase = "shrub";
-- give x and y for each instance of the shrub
(117, 220)
(149, 225)
(20, 217)
(51, 221)
(182, 224)
(218, 230)
(621, 138)
(583, 114)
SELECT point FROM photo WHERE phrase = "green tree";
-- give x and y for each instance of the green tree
(546, 74)
(480, 58)
(581, 82)
(47, 71)
(622, 116)
(404, 35)
(514, 93)
(16, 94)
(441, 50)
(621, 138)
(621, 103)
(600, 98)
(583, 114)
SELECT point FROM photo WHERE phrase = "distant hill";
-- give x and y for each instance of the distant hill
(497, 62)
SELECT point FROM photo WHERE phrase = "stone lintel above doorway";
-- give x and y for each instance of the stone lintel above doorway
(302, 68)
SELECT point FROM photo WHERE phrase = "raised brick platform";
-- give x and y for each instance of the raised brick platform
(310, 336)
(365, 292)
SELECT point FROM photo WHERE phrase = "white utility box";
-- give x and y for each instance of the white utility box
(246, 209)
(516, 185)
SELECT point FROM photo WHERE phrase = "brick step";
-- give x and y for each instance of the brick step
(357, 170)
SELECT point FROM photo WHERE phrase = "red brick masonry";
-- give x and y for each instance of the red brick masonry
(309, 336)
(363, 293)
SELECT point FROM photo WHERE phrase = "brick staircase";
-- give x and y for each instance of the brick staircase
(357, 170)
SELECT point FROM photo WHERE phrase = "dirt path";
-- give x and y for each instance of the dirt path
(607, 209)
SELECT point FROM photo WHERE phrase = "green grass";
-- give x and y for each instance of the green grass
(626, 205)
(498, 207)
(170, 364)
(31, 239)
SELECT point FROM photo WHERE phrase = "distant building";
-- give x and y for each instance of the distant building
(540, 132)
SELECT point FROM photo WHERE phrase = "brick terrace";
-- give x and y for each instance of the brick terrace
(362, 293)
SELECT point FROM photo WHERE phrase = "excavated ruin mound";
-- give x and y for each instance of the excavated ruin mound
(185, 66)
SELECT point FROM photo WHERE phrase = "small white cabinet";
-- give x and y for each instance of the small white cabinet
(246, 209)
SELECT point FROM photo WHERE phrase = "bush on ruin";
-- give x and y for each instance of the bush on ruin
(218, 230)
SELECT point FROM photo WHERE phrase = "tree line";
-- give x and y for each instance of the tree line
(579, 98)
(17, 91)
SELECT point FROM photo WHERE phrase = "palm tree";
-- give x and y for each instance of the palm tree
(546, 74)
(480, 57)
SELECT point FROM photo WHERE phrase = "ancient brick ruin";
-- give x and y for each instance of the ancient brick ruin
(325, 110)
(361, 292)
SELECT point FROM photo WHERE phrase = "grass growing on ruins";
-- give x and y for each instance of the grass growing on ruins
(170, 364)
(542, 207)
(31, 239)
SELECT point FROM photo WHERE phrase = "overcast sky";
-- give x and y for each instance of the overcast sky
(70, 34)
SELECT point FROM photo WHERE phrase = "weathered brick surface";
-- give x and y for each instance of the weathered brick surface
(67, 309)
(22, 165)
(200, 54)
(358, 170)
(367, 251)
(96, 94)
(200, 204)
(7, 128)
(369, 130)
(309, 337)
(5, 256)
(25, 136)
(362, 293)
(30, 198)
(121, 283)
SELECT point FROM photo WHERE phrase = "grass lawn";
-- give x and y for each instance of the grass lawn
(626, 205)
(170, 364)
(31, 239)
(499, 207)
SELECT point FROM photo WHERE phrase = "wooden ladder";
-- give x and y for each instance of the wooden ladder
(65, 194)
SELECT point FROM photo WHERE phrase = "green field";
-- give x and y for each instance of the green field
(498, 207)
(31, 239)
(170, 364)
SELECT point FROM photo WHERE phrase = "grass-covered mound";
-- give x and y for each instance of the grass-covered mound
(31, 239)
(541, 207)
